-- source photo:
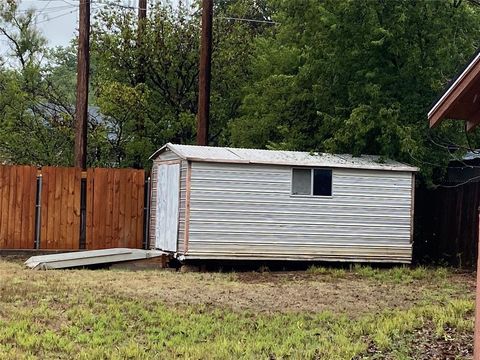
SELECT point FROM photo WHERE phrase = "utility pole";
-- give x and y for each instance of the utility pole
(204, 75)
(83, 65)
(142, 16)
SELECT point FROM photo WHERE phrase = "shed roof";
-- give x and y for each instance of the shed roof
(276, 157)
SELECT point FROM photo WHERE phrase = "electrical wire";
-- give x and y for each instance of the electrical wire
(56, 17)
(46, 10)
(248, 20)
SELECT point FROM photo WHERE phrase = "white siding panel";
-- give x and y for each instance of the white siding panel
(246, 211)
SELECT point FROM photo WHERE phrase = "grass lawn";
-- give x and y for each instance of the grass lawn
(362, 313)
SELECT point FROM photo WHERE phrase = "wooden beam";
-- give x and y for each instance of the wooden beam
(83, 65)
(205, 73)
(461, 87)
(142, 18)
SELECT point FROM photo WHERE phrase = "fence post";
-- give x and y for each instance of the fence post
(146, 217)
(38, 212)
(83, 214)
(476, 344)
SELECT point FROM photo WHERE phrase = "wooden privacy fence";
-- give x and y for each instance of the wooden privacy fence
(57, 208)
(446, 225)
(60, 208)
(115, 208)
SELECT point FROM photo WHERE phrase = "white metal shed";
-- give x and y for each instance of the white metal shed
(246, 204)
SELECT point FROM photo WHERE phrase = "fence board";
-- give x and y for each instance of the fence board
(77, 189)
(17, 206)
(121, 207)
(446, 225)
(113, 208)
(2, 186)
(69, 208)
(129, 239)
(89, 210)
(116, 204)
(26, 239)
(60, 206)
(3, 205)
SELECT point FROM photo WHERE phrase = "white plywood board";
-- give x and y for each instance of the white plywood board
(91, 257)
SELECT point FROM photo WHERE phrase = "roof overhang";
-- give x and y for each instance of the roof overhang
(461, 99)
(232, 157)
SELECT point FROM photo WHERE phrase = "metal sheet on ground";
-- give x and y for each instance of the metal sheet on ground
(92, 257)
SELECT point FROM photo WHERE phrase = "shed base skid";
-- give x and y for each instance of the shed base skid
(275, 266)
(91, 258)
(400, 255)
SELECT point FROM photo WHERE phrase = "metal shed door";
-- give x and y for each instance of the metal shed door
(168, 197)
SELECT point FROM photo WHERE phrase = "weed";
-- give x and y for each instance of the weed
(90, 315)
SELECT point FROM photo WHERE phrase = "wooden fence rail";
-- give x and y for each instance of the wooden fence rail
(42, 209)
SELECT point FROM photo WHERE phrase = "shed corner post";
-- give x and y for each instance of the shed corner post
(147, 212)
(476, 347)
(188, 184)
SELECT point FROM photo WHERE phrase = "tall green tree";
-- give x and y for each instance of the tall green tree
(36, 96)
(163, 108)
(358, 77)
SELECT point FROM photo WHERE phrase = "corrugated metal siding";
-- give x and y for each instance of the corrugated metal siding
(167, 156)
(246, 211)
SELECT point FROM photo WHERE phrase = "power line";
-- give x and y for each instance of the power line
(46, 10)
(48, 3)
(56, 17)
(249, 20)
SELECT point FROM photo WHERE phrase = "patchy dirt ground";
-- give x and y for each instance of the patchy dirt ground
(322, 313)
(335, 290)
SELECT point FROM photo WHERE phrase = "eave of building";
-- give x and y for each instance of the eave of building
(461, 99)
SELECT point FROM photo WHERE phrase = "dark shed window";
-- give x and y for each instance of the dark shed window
(322, 182)
(316, 182)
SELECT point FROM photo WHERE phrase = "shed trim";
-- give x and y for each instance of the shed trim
(188, 189)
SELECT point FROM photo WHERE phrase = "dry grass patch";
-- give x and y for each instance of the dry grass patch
(318, 314)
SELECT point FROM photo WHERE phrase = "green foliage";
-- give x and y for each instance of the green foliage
(37, 96)
(160, 65)
(358, 77)
(338, 75)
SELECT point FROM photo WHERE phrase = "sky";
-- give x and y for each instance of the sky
(58, 19)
